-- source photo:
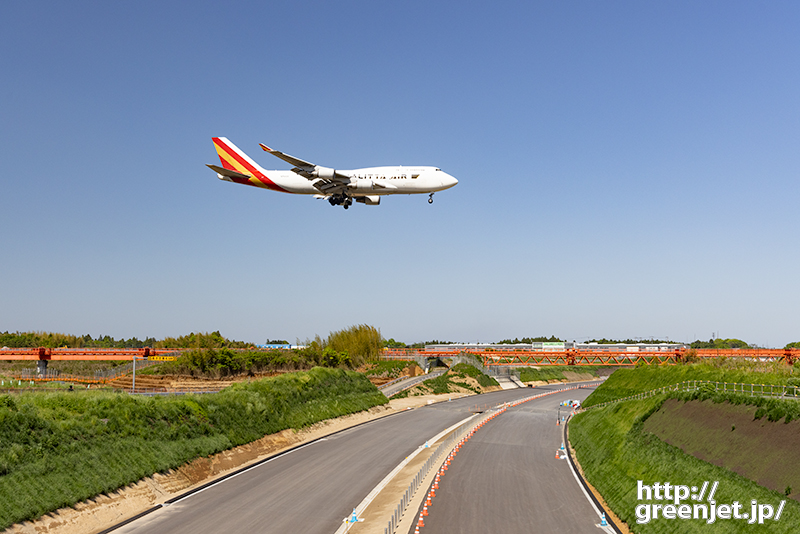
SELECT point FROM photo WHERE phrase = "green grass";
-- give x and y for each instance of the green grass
(555, 372)
(626, 382)
(773, 409)
(463, 370)
(388, 368)
(401, 395)
(57, 449)
(453, 379)
(615, 453)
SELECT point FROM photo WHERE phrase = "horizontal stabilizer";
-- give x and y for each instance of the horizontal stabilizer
(229, 173)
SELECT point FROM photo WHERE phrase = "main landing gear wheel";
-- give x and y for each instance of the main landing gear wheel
(341, 200)
(430, 199)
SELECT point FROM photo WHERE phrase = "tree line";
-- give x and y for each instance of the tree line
(363, 342)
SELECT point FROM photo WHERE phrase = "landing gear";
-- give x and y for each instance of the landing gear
(430, 199)
(341, 200)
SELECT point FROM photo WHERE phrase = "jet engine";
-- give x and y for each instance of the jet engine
(361, 184)
(323, 172)
(369, 200)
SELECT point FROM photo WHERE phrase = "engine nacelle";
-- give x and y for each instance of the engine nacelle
(369, 200)
(323, 172)
(362, 184)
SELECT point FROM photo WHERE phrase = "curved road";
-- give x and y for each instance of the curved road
(506, 478)
(312, 488)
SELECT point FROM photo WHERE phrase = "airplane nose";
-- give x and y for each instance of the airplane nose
(448, 181)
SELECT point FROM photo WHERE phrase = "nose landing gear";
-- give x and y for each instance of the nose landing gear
(430, 199)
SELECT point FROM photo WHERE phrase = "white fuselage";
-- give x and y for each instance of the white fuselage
(372, 181)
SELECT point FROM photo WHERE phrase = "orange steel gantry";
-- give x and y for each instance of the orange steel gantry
(45, 353)
(594, 356)
(42, 355)
(598, 356)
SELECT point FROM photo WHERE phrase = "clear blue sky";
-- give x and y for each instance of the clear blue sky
(626, 169)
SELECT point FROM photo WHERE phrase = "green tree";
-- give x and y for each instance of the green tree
(362, 342)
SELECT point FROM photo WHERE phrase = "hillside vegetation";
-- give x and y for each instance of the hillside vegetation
(220, 363)
(555, 372)
(615, 451)
(625, 382)
(734, 436)
(57, 449)
(458, 379)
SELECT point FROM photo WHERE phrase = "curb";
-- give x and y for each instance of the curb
(585, 485)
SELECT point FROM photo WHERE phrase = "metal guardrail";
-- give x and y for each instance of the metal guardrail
(50, 375)
(433, 460)
(753, 390)
(395, 381)
(389, 389)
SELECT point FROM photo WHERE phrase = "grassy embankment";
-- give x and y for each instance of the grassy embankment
(57, 449)
(615, 452)
(388, 369)
(457, 379)
(555, 372)
(626, 382)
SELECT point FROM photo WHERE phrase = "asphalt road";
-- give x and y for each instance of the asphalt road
(506, 478)
(311, 489)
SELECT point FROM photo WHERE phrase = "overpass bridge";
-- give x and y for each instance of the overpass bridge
(593, 356)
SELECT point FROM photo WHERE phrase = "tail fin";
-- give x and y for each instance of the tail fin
(234, 159)
(242, 169)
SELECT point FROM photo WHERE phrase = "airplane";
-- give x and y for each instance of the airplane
(339, 188)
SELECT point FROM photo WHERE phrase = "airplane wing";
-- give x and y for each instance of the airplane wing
(291, 160)
(328, 181)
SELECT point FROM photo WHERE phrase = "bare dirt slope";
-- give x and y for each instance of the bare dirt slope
(181, 383)
(727, 435)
